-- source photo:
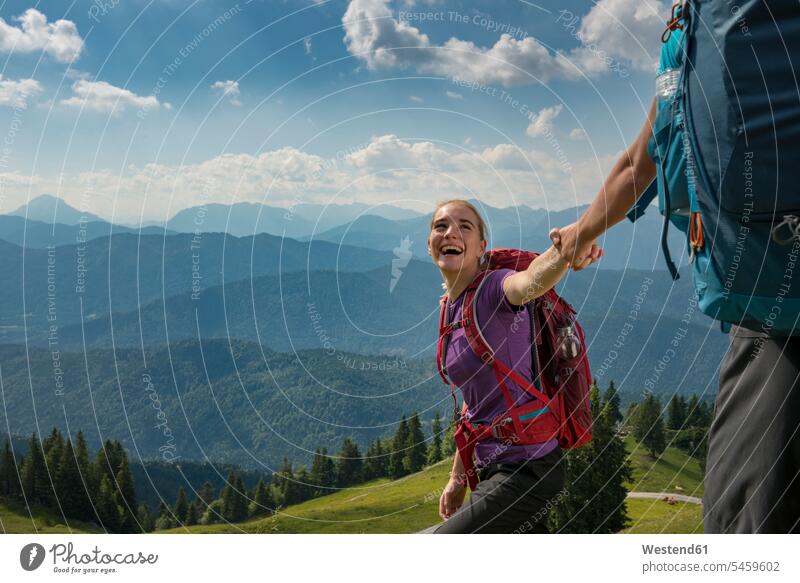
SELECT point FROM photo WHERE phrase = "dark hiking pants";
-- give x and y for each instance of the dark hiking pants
(510, 498)
(752, 482)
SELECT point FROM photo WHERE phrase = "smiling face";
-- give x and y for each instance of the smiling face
(455, 242)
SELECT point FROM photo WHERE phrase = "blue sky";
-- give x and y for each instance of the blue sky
(139, 108)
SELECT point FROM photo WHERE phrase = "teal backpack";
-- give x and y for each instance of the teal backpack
(726, 144)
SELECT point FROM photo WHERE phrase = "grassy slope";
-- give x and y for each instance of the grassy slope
(381, 506)
(411, 504)
(673, 471)
(16, 519)
(657, 517)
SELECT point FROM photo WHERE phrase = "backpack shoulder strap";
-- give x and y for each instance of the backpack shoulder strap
(480, 346)
(444, 337)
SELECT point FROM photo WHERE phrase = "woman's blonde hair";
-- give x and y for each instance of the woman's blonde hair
(482, 230)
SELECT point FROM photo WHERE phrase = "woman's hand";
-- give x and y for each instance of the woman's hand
(452, 498)
(578, 252)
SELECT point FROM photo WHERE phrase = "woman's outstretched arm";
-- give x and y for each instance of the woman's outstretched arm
(542, 274)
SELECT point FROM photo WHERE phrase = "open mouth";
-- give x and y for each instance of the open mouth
(451, 250)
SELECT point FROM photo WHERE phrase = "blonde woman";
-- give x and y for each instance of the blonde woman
(516, 481)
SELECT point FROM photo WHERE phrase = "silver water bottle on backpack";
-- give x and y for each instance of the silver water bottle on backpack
(569, 346)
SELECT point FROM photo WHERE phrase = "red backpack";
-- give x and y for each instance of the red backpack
(563, 410)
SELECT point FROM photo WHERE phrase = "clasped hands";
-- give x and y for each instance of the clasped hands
(580, 252)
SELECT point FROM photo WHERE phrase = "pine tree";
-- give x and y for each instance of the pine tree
(570, 514)
(35, 481)
(593, 499)
(697, 414)
(612, 469)
(181, 509)
(52, 447)
(611, 404)
(304, 489)
(649, 425)
(416, 450)
(629, 419)
(376, 463)
(238, 511)
(109, 512)
(349, 465)
(323, 473)
(286, 485)
(227, 495)
(89, 483)
(125, 496)
(435, 450)
(192, 514)
(71, 493)
(676, 412)
(9, 479)
(397, 468)
(206, 493)
(262, 503)
(107, 462)
(234, 500)
(146, 521)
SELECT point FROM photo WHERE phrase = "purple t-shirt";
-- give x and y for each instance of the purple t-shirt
(507, 329)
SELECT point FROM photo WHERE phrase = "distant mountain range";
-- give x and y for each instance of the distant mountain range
(630, 319)
(245, 218)
(50, 209)
(70, 283)
(380, 228)
(40, 235)
(262, 346)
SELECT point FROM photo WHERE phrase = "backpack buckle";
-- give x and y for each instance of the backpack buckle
(497, 428)
(487, 357)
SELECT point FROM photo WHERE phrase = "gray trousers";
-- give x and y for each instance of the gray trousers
(510, 498)
(752, 482)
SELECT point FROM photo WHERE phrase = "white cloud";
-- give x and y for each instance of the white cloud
(59, 39)
(381, 41)
(106, 98)
(16, 93)
(577, 134)
(612, 32)
(307, 45)
(387, 168)
(627, 30)
(229, 89)
(416, 99)
(542, 123)
(454, 95)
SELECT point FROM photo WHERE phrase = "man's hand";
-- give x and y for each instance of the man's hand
(578, 252)
(451, 499)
